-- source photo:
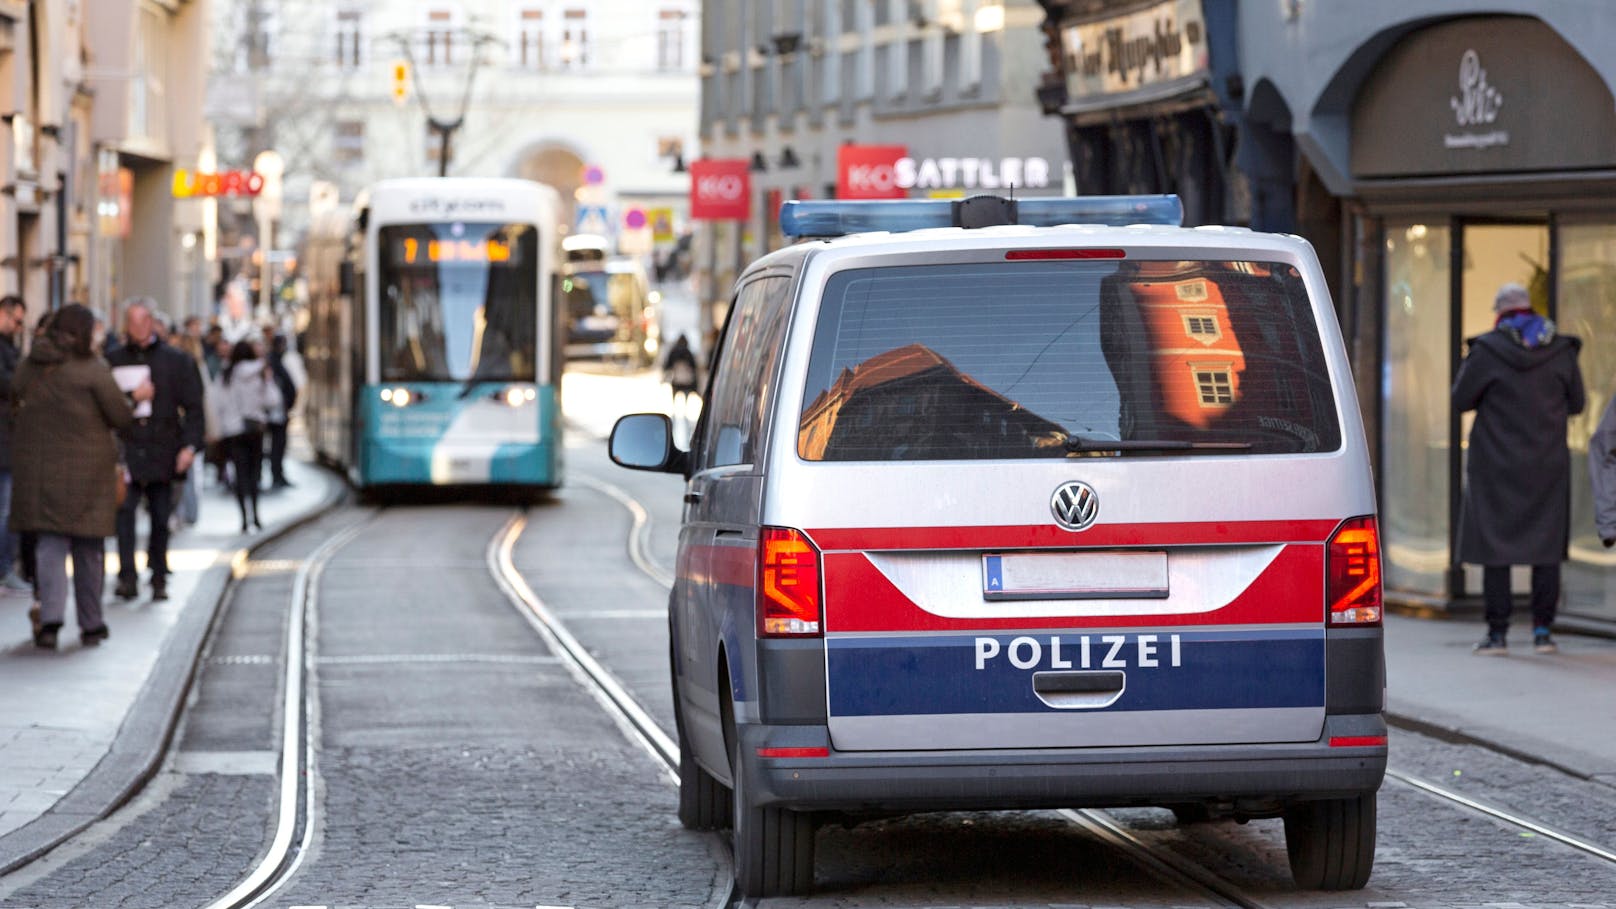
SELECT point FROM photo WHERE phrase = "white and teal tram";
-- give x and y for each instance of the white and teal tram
(432, 345)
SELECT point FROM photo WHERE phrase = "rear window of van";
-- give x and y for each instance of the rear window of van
(1059, 358)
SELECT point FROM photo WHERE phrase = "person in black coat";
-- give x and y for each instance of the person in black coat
(157, 448)
(1522, 381)
(281, 417)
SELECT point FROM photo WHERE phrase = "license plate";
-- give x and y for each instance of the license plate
(1074, 575)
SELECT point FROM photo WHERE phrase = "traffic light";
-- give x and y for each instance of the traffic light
(401, 81)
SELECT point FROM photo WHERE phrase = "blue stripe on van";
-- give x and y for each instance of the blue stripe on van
(940, 674)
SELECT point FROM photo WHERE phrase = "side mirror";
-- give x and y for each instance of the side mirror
(644, 441)
(345, 278)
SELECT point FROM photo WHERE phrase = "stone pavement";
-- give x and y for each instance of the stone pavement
(82, 728)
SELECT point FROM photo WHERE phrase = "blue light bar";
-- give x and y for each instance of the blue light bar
(836, 218)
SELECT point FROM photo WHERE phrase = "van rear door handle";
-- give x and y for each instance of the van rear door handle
(728, 532)
(1079, 690)
(692, 498)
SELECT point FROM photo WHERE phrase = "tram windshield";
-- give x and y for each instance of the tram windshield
(458, 301)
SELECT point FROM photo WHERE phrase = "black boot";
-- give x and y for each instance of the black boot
(45, 637)
(127, 589)
(94, 636)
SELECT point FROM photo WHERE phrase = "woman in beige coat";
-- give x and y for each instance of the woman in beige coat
(67, 406)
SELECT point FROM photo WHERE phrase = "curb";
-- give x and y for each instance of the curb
(137, 751)
(1455, 735)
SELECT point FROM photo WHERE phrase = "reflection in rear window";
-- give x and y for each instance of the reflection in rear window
(1055, 358)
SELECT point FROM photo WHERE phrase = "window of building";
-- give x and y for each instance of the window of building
(437, 39)
(1214, 384)
(673, 26)
(350, 40)
(574, 51)
(830, 89)
(898, 49)
(528, 49)
(1202, 327)
(972, 22)
(866, 57)
(348, 145)
(931, 50)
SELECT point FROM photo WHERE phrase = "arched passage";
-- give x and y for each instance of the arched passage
(557, 166)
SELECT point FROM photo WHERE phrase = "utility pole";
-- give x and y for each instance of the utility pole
(446, 128)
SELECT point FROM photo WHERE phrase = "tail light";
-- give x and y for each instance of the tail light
(1352, 571)
(788, 584)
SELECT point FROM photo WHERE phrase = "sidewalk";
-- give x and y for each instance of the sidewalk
(1557, 709)
(82, 728)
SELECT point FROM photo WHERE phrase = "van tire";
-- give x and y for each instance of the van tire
(1331, 843)
(704, 802)
(774, 847)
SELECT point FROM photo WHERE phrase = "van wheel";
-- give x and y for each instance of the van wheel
(1331, 843)
(774, 847)
(704, 802)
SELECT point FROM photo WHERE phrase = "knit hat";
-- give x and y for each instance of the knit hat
(1511, 296)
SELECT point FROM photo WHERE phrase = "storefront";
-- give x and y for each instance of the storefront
(1144, 102)
(1479, 150)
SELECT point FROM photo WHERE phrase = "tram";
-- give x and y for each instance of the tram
(432, 343)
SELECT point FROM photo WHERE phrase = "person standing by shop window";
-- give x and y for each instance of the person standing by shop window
(1523, 382)
(13, 315)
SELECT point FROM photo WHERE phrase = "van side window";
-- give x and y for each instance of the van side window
(741, 392)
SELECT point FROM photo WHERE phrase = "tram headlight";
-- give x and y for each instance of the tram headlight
(516, 396)
(398, 397)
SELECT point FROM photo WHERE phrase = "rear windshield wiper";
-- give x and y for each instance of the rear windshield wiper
(1077, 444)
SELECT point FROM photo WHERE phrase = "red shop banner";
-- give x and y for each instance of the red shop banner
(720, 189)
(869, 172)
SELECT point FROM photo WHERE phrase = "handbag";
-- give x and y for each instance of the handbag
(120, 488)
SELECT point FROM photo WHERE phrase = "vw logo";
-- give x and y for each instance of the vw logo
(1075, 505)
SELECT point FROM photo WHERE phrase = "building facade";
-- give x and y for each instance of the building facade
(596, 98)
(138, 117)
(1445, 150)
(823, 98)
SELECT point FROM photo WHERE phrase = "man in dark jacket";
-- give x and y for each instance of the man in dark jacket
(13, 315)
(1602, 475)
(158, 447)
(1522, 381)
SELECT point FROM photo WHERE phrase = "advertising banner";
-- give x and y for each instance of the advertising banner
(869, 172)
(720, 189)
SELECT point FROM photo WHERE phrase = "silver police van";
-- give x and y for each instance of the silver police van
(1000, 504)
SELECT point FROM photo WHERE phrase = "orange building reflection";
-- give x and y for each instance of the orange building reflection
(1197, 357)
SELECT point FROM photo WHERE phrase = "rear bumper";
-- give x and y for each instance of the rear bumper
(1060, 778)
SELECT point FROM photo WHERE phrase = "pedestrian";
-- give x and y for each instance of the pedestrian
(1522, 381)
(13, 316)
(679, 371)
(160, 444)
(247, 394)
(65, 462)
(188, 488)
(280, 417)
(1602, 475)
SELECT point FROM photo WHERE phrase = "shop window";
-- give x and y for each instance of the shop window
(1587, 309)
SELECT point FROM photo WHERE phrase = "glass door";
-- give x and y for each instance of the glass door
(1494, 254)
(1415, 376)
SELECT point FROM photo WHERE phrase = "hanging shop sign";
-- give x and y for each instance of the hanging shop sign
(720, 189)
(198, 184)
(1150, 48)
(1482, 95)
(890, 172)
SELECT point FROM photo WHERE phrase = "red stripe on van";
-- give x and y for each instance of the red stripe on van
(1035, 536)
(858, 597)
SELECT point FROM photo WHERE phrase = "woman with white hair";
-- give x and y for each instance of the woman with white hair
(1522, 381)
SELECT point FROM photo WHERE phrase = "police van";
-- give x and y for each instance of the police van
(1002, 504)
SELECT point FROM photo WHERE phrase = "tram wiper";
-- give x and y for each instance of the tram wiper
(1082, 444)
(469, 387)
